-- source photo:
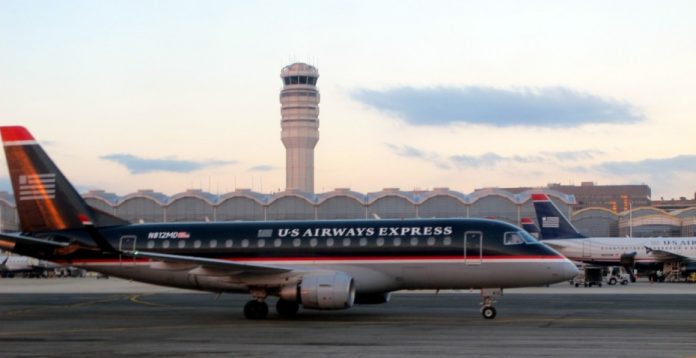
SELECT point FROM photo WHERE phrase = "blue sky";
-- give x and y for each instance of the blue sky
(172, 95)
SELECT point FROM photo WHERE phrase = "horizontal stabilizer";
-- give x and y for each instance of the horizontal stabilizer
(12, 241)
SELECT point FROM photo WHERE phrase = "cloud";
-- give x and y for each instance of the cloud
(412, 152)
(262, 168)
(477, 161)
(574, 155)
(665, 166)
(137, 165)
(531, 107)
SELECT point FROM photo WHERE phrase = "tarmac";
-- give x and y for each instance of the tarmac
(112, 317)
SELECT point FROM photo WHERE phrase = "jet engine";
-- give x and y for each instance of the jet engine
(330, 291)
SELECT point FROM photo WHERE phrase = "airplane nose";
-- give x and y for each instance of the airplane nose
(570, 270)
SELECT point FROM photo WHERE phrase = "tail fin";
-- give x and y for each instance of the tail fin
(552, 223)
(46, 201)
(529, 226)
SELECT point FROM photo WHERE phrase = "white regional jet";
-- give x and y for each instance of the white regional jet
(559, 233)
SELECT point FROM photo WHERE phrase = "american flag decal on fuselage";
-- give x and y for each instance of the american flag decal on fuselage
(37, 187)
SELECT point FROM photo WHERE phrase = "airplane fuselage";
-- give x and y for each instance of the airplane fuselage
(609, 250)
(381, 255)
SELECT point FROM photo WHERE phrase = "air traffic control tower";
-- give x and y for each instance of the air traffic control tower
(299, 100)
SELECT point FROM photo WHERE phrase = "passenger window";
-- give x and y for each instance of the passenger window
(329, 242)
(363, 241)
(261, 243)
(197, 244)
(181, 244)
(513, 238)
(245, 243)
(397, 241)
(346, 242)
(212, 244)
(313, 242)
(296, 242)
(165, 244)
(414, 241)
(380, 241)
(277, 242)
(431, 241)
(151, 244)
(447, 241)
(229, 243)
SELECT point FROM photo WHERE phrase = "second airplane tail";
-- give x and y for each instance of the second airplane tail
(552, 223)
(45, 200)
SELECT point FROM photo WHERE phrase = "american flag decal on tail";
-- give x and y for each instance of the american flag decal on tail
(550, 222)
(37, 187)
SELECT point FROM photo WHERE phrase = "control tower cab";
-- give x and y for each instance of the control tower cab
(299, 100)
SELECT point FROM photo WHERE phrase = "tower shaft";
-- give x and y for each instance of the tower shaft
(299, 123)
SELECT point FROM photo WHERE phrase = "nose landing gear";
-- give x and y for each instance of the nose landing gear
(488, 296)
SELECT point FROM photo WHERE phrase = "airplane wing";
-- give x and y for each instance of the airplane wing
(666, 255)
(214, 265)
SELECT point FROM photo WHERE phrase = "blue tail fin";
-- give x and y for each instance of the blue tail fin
(529, 226)
(46, 201)
(552, 223)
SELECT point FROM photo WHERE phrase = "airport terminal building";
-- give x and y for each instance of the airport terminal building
(243, 204)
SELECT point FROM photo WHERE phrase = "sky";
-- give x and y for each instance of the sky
(176, 95)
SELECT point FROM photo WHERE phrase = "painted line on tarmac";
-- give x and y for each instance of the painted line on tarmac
(136, 299)
(54, 307)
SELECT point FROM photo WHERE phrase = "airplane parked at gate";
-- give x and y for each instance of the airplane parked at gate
(13, 265)
(558, 232)
(316, 264)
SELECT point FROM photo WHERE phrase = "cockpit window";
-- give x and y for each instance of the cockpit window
(513, 238)
(519, 237)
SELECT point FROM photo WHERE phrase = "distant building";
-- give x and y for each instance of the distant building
(616, 198)
(674, 204)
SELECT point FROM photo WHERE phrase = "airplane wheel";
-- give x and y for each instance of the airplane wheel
(287, 308)
(488, 312)
(255, 310)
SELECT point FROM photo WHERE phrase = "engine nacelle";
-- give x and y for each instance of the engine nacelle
(330, 291)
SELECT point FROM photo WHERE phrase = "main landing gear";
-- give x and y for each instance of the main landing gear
(258, 308)
(488, 296)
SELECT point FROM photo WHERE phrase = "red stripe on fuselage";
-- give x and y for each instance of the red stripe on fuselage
(328, 258)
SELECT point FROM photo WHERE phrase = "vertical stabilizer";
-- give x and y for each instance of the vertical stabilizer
(552, 223)
(529, 226)
(45, 199)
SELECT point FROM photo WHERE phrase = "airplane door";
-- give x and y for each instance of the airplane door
(586, 248)
(473, 247)
(126, 243)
